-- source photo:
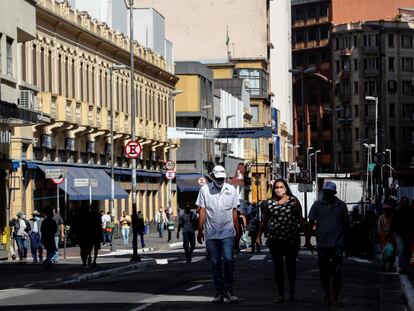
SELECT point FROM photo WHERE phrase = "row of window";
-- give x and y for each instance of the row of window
(310, 58)
(90, 83)
(256, 80)
(311, 34)
(373, 40)
(310, 11)
(373, 63)
(9, 55)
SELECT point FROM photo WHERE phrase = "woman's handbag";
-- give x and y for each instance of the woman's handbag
(170, 226)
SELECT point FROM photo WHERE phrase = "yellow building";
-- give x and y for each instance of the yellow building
(70, 63)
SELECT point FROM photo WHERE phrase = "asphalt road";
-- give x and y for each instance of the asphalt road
(177, 285)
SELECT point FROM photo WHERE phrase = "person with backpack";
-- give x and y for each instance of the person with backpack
(254, 230)
(188, 222)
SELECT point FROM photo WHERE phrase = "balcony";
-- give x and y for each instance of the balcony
(311, 44)
(299, 23)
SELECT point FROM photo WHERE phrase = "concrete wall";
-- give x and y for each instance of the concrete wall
(198, 28)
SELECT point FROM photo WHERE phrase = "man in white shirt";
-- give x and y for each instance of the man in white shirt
(105, 218)
(217, 202)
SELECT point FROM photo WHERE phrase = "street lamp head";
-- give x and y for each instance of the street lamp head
(372, 145)
(388, 150)
(206, 107)
(118, 67)
(366, 145)
(311, 155)
(317, 151)
(309, 70)
(310, 148)
(295, 71)
(297, 146)
(176, 92)
(373, 98)
(230, 116)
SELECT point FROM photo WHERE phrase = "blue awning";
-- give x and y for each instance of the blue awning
(102, 192)
(189, 182)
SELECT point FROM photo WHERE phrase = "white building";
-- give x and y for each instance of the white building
(281, 60)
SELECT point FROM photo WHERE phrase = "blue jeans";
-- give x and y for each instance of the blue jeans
(55, 257)
(36, 246)
(22, 245)
(160, 227)
(125, 235)
(222, 250)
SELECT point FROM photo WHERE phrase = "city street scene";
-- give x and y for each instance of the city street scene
(199, 154)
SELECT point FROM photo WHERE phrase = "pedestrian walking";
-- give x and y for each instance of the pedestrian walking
(170, 222)
(404, 229)
(217, 202)
(188, 223)
(48, 231)
(21, 229)
(141, 228)
(60, 233)
(107, 228)
(243, 233)
(332, 220)
(34, 234)
(125, 222)
(161, 220)
(282, 224)
(254, 230)
(387, 236)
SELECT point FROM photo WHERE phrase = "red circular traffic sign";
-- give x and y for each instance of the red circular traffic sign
(170, 165)
(133, 149)
(58, 181)
(170, 174)
(201, 181)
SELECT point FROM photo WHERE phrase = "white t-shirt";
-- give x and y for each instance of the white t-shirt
(219, 205)
(105, 218)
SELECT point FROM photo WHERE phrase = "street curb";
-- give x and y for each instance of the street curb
(99, 274)
(408, 291)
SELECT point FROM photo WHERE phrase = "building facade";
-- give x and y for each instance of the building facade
(374, 59)
(18, 103)
(71, 66)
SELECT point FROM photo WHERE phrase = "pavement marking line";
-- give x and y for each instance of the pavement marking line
(162, 261)
(175, 298)
(142, 307)
(360, 260)
(408, 291)
(197, 258)
(194, 287)
(257, 257)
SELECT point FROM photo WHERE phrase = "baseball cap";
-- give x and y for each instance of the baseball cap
(219, 172)
(329, 185)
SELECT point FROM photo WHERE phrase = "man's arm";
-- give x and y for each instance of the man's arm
(201, 222)
(179, 228)
(236, 223)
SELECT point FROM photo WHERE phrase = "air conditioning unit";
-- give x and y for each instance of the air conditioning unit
(28, 99)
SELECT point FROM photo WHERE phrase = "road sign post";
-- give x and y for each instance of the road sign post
(170, 165)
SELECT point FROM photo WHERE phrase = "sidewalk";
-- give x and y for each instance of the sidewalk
(15, 274)
(407, 283)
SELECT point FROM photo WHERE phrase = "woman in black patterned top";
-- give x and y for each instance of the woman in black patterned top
(283, 222)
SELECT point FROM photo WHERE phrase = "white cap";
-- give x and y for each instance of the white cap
(219, 172)
(329, 185)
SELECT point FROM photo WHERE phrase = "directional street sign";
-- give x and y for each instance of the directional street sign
(201, 181)
(133, 149)
(305, 175)
(170, 165)
(170, 175)
(56, 172)
(58, 181)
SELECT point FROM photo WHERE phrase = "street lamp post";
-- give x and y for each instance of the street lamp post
(375, 99)
(111, 69)
(135, 256)
(171, 123)
(369, 147)
(310, 167)
(295, 154)
(302, 73)
(389, 150)
(227, 142)
(316, 171)
(307, 157)
(202, 139)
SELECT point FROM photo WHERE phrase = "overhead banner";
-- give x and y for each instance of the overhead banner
(241, 132)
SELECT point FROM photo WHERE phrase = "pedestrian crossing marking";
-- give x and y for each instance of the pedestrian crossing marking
(257, 257)
(194, 287)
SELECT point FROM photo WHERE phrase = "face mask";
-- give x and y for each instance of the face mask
(218, 183)
(35, 218)
(280, 191)
(23, 216)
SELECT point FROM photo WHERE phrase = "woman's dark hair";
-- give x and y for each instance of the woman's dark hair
(288, 191)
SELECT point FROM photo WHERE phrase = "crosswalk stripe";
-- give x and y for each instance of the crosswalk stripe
(257, 257)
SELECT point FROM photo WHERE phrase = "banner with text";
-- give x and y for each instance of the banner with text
(241, 132)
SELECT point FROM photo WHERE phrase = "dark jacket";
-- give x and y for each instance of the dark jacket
(15, 224)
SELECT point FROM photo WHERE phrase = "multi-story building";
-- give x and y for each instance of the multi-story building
(373, 59)
(311, 25)
(18, 104)
(71, 66)
(233, 39)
